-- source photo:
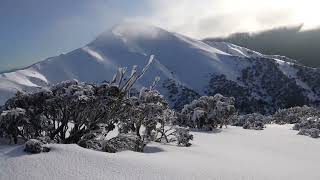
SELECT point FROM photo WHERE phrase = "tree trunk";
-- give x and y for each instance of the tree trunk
(138, 131)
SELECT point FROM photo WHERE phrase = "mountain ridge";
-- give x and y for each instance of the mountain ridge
(292, 41)
(188, 68)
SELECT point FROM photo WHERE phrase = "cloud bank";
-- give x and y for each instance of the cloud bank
(205, 18)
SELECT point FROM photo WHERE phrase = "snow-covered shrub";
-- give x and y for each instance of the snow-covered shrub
(253, 121)
(123, 142)
(151, 111)
(306, 119)
(309, 127)
(295, 115)
(82, 113)
(311, 122)
(183, 137)
(207, 112)
(11, 121)
(255, 125)
(35, 146)
(165, 128)
(313, 132)
(69, 110)
(90, 141)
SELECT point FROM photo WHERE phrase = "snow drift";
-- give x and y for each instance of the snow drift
(276, 153)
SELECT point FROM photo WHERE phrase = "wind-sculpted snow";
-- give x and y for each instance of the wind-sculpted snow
(190, 65)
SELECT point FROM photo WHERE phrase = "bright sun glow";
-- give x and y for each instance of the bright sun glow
(203, 18)
(307, 11)
(291, 11)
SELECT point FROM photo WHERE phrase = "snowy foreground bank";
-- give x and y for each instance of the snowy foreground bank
(233, 154)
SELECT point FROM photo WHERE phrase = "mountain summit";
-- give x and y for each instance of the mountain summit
(188, 68)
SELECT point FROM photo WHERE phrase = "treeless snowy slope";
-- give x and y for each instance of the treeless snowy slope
(275, 153)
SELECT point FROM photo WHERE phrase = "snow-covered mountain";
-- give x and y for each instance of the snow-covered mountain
(187, 67)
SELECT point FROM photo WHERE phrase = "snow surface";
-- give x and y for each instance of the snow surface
(275, 153)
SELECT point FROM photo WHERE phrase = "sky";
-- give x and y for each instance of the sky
(32, 30)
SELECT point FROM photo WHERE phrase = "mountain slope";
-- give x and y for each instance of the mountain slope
(292, 42)
(187, 67)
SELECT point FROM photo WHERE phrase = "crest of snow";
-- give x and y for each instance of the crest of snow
(133, 30)
(101, 58)
(22, 77)
(201, 45)
(235, 50)
(129, 32)
(93, 53)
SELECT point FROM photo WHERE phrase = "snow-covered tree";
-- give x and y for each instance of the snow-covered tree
(313, 132)
(253, 121)
(149, 110)
(294, 115)
(207, 112)
(306, 119)
(183, 136)
(11, 121)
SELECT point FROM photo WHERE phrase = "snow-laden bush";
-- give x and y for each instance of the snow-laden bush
(295, 115)
(183, 137)
(65, 112)
(309, 123)
(124, 142)
(207, 112)
(175, 134)
(253, 121)
(10, 122)
(255, 125)
(313, 132)
(35, 146)
(90, 141)
(308, 127)
(82, 113)
(306, 119)
(151, 111)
